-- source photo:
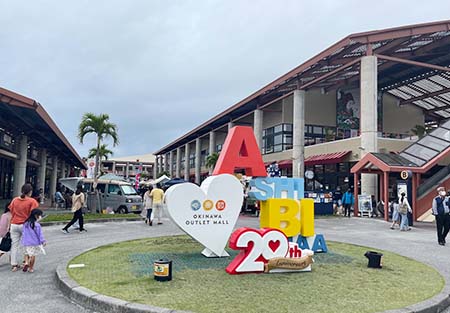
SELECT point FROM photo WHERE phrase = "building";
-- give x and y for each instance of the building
(364, 94)
(129, 166)
(32, 148)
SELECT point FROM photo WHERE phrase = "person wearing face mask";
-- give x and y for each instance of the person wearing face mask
(440, 210)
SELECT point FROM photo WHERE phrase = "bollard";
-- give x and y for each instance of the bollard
(162, 270)
(374, 259)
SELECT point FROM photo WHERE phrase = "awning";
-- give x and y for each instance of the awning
(326, 158)
(285, 164)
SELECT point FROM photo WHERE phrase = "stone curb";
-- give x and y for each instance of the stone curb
(100, 220)
(105, 304)
(98, 302)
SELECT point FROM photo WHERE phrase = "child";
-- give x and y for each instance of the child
(32, 239)
(5, 222)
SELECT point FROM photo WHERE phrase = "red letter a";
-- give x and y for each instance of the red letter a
(240, 150)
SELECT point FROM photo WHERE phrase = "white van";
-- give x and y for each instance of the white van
(118, 195)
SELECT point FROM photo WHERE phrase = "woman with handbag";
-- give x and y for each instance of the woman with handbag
(78, 201)
(20, 208)
(5, 238)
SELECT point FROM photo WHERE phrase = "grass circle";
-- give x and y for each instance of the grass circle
(339, 282)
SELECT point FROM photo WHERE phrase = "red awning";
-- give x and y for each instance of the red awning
(326, 158)
(285, 164)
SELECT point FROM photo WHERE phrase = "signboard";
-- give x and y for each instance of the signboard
(405, 175)
(286, 240)
(90, 173)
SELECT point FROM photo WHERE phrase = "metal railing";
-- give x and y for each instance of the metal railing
(433, 181)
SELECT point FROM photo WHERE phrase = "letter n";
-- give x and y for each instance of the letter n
(240, 150)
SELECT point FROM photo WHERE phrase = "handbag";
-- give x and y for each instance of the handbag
(5, 244)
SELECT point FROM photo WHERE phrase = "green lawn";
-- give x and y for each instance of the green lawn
(65, 217)
(340, 280)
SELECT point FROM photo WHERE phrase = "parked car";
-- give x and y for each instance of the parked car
(118, 195)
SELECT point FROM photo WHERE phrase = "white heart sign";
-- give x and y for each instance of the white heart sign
(207, 213)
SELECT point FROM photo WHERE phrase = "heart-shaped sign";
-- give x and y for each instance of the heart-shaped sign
(207, 213)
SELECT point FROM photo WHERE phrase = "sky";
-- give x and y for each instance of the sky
(161, 68)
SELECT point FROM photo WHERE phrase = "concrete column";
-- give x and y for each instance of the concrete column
(42, 169)
(198, 147)
(54, 177)
(186, 162)
(171, 163)
(368, 118)
(258, 127)
(114, 167)
(63, 169)
(178, 165)
(298, 151)
(155, 167)
(20, 166)
(212, 146)
(230, 125)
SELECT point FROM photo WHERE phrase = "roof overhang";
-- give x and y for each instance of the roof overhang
(338, 66)
(26, 115)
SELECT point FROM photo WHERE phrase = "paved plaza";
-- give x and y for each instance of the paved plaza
(24, 291)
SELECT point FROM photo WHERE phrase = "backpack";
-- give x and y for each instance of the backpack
(403, 208)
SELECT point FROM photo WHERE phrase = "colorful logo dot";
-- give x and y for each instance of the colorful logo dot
(208, 205)
(196, 205)
(220, 205)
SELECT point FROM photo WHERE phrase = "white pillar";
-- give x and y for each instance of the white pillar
(230, 125)
(114, 167)
(171, 163)
(212, 146)
(42, 169)
(258, 127)
(54, 176)
(198, 147)
(20, 165)
(369, 115)
(63, 169)
(186, 162)
(298, 151)
(178, 165)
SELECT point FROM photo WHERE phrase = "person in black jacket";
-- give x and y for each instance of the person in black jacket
(440, 209)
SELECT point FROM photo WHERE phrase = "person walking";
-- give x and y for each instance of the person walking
(157, 195)
(440, 210)
(347, 201)
(20, 208)
(403, 209)
(148, 203)
(395, 214)
(32, 239)
(78, 201)
(5, 223)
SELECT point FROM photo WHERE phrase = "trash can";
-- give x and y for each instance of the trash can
(374, 259)
(162, 270)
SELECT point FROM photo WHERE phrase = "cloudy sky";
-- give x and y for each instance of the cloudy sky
(161, 68)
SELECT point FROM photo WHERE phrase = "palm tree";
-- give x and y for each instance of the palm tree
(211, 160)
(100, 126)
(103, 154)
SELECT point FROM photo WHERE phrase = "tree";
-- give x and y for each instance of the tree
(103, 154)
(102, 128)
(211, 160)
(419, 131)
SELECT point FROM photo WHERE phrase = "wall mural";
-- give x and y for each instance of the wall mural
(348, 112)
